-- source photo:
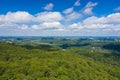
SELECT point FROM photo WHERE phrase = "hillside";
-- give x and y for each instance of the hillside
(26, 62)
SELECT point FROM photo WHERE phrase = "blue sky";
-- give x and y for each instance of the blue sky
(59, 18)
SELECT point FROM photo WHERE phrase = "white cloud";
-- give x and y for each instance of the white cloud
(90, 4)
(73, 16)
(2, 18)
(48, 17)
(69, 10)
(107, 25)
(25, 17)
(117, 9)
(8, 25)
(113, 18)
(23, 26)
(49, 6)
(89, 7)
(47, 25)
(36, 26)
(110, 19)
(96, 26)
(76, 26)
(16, 17)
(94, 20)
(77, 3)
(51, 24)
(23, 20)
(88, 11)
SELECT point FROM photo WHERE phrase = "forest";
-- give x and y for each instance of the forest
(63, 59)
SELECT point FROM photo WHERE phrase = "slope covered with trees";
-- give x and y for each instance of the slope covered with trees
(27, 62)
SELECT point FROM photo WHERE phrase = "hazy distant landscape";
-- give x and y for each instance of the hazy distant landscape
(59, 58)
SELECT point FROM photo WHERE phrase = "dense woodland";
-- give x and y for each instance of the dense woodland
(51, 62)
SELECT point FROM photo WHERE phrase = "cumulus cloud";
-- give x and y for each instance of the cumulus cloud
(17, 17)
(88, 11)
(23, 26)
(73, 16)
(77, 3)
(49, 6)
(47, 25)
(8, 25)
(49, 16)
(45, 22)
(76, 26)
(90, 4)
(25, 17)
(106, 25)
(94, 20)
(51, 24)
(35, 26)
(110, 19)
(113, 18)
(23, 20)
(69, 10)
(89, 7)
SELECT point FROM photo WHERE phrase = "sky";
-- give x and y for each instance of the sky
(59, 17)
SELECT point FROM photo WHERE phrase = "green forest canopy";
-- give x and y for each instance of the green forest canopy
(21, 62)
